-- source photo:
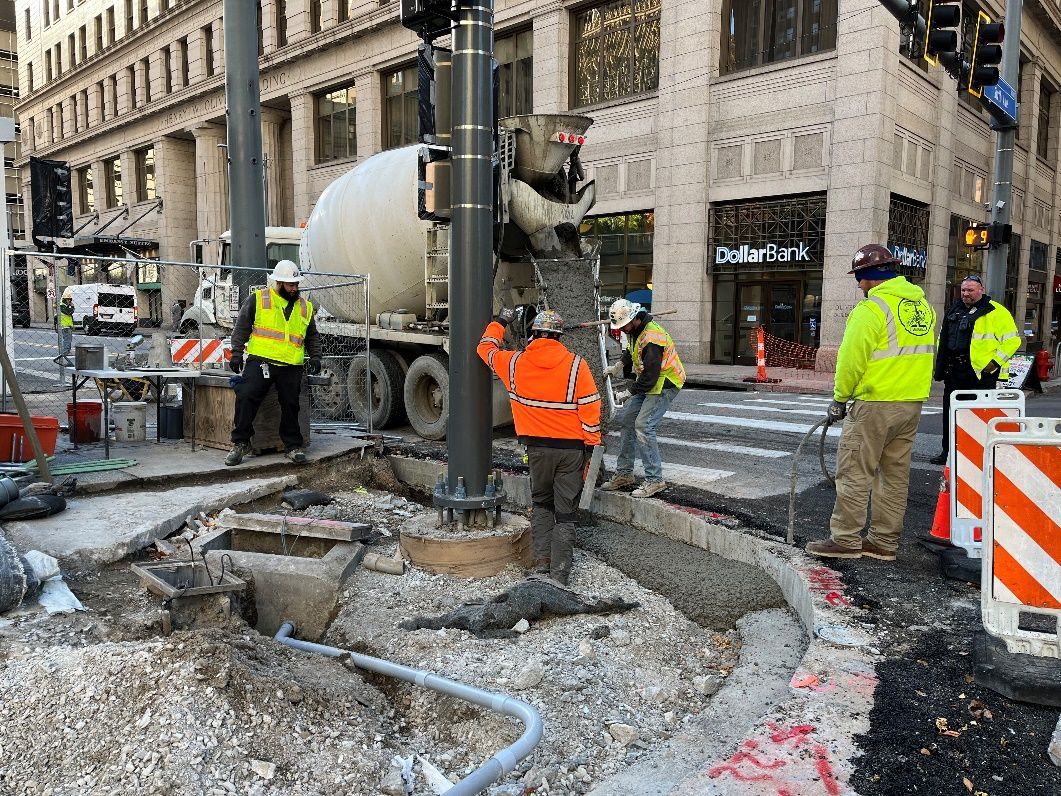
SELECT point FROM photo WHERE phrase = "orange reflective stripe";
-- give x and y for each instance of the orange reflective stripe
(271, 334)
(1036, 523)
(303, 307)
(267, 299)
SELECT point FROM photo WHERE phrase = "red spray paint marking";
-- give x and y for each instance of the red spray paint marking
(768, 771)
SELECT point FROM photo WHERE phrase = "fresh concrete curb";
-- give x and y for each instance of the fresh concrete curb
(806, 742)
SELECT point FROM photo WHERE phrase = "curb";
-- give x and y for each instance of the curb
(806, 743)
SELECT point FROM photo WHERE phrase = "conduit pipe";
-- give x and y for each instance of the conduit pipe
(493, 769)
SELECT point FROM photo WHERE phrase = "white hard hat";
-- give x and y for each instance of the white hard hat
(286, 271)
(622, 312)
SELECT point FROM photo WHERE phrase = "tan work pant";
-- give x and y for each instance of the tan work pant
(874, 459)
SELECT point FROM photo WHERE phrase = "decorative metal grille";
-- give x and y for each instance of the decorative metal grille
(908, 229)
(785, 223)
(616, 51)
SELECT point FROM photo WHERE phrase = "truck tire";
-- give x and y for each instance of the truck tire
(427, 395)
(332, 402)
(387, 384)
(12, 577)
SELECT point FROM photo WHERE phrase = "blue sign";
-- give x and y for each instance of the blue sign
(1003, 97)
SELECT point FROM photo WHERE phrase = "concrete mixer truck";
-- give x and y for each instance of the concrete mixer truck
(387, 218)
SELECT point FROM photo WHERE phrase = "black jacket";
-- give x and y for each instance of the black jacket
(956, 333)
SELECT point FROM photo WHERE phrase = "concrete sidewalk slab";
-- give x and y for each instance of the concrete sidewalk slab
(101, 529)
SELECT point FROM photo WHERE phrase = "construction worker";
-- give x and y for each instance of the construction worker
(651, 357)
(885, 366)
(276, 328)
(556, 410)
(976, 342)
(66, 327)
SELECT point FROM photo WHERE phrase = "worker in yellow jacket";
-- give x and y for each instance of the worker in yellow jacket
(976, 342)
(885, 367)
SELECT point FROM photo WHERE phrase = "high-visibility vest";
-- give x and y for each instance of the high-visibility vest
(995, 337)
(672, 370)
(66, 319)
(888, 349)
(274, 337)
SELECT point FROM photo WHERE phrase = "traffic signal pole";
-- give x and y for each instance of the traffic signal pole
(1001, 201)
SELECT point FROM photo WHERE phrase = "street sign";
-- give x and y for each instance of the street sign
(1003, 97)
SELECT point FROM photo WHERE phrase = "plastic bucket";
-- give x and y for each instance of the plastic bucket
(89, 421)
(130, 421)
(15, 447)
(172, 421)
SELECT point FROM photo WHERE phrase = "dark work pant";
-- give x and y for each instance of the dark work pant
(252, 391)
(556, 481)
(961, 377)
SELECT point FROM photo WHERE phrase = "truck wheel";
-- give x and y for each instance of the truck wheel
(387, 382)
(427, 395)
(12, 577)
(331, 402)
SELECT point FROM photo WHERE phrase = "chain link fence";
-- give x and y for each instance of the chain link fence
(134, 312)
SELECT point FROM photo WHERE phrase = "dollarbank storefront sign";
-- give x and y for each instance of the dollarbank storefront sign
(763, 253)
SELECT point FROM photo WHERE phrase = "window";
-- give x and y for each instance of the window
(58, 59)
(315, 13)
(344, 10)
(145, 173)
(401, 119)
(208, 50)
(1035, 308)
(616, 51)
(71, 48)
(111, 26)
(112, 175)
(114, 95)
(76, 111)
(336, 125)
(60, 126)
(130, 83)
(129, 21)
(163, 6)
(1042, 139)
(69, 5)
(516, 73)
(82, 42)
(757, 32)
(27, 27)
(47, 66)
(167, 70)
(47, 14)
(281, 22)
(625, 250)
(143, 13)
(84, 107)
(55, 10)
(101, 101)
(29, 75)
(97, 28)
(908, 228)
(962, 260)
(146, 64)
(183, 55)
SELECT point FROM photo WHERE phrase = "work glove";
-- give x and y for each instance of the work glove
(622, 396)
(505, 316)
(615, 371)
(313, 367)
(236, 363)
(837, 411)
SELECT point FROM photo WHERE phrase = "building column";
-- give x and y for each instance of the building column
(129, 187)
(552, 47)
(302, 155)
(268, 25)
(274, 187)
(860, 182)
(297, 20)
(940, 212)
(211, 180)
(369, 109)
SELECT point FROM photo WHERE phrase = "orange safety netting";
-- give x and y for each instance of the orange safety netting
(781, 353)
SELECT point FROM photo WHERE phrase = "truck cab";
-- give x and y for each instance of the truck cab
(214, 308)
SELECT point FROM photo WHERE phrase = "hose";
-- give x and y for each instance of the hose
(790, 537)
(493, 769)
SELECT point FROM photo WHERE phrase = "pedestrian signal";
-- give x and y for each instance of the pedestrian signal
(986, 236)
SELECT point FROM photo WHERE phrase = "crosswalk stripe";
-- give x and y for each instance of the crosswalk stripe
(679, 473)
(749, 422)
(724, 447)
(806, 412)
(928, 410)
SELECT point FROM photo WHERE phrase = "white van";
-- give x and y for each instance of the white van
(104, 308)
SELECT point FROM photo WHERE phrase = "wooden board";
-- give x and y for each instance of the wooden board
(298, 526)
(216, 410)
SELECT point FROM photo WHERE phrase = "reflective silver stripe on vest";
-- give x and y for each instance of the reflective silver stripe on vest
(493, 340)
(991, 336)
(572, 378)
(512, 374)
(542, 404)
(490, 357)
(591, 429)
(1009, 336)
(894, 349)
(589, 398)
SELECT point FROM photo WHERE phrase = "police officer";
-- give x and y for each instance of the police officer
(976, 342)
(556, 411)
(276, 328)
(885, 366)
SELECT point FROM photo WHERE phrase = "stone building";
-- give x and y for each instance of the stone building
(743, 149)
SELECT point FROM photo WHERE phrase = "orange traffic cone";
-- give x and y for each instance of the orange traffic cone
(941, 519)
(760, 361)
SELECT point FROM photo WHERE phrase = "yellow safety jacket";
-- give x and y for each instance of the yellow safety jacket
(888, 351)
(66, 318)
(671, 369)
(995, 337)
(274, 337)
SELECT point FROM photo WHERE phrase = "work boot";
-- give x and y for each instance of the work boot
(871, 550)
(649, 488)
(941, 458)
(297, 455)
(830, 549)
(561, 574)
(235, 456)
(541, 567)
(618, 481)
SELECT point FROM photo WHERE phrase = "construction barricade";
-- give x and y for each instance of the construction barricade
(196, 352)
(970, 413)
(1021, 585)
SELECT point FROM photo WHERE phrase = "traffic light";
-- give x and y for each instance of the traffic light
(941, 36)
(987, 54)
(987, 236)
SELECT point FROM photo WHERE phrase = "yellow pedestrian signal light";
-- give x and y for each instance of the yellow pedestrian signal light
(987, 54)
(987, 236)
(977, 237)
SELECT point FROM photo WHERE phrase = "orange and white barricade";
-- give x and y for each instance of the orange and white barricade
(1022, 535)
(970, 412)
(196, 352)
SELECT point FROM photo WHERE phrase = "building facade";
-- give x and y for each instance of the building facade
(743, 149)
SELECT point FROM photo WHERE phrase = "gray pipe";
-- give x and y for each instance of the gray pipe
(493, 769)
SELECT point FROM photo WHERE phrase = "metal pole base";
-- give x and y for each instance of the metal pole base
(477, 511)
